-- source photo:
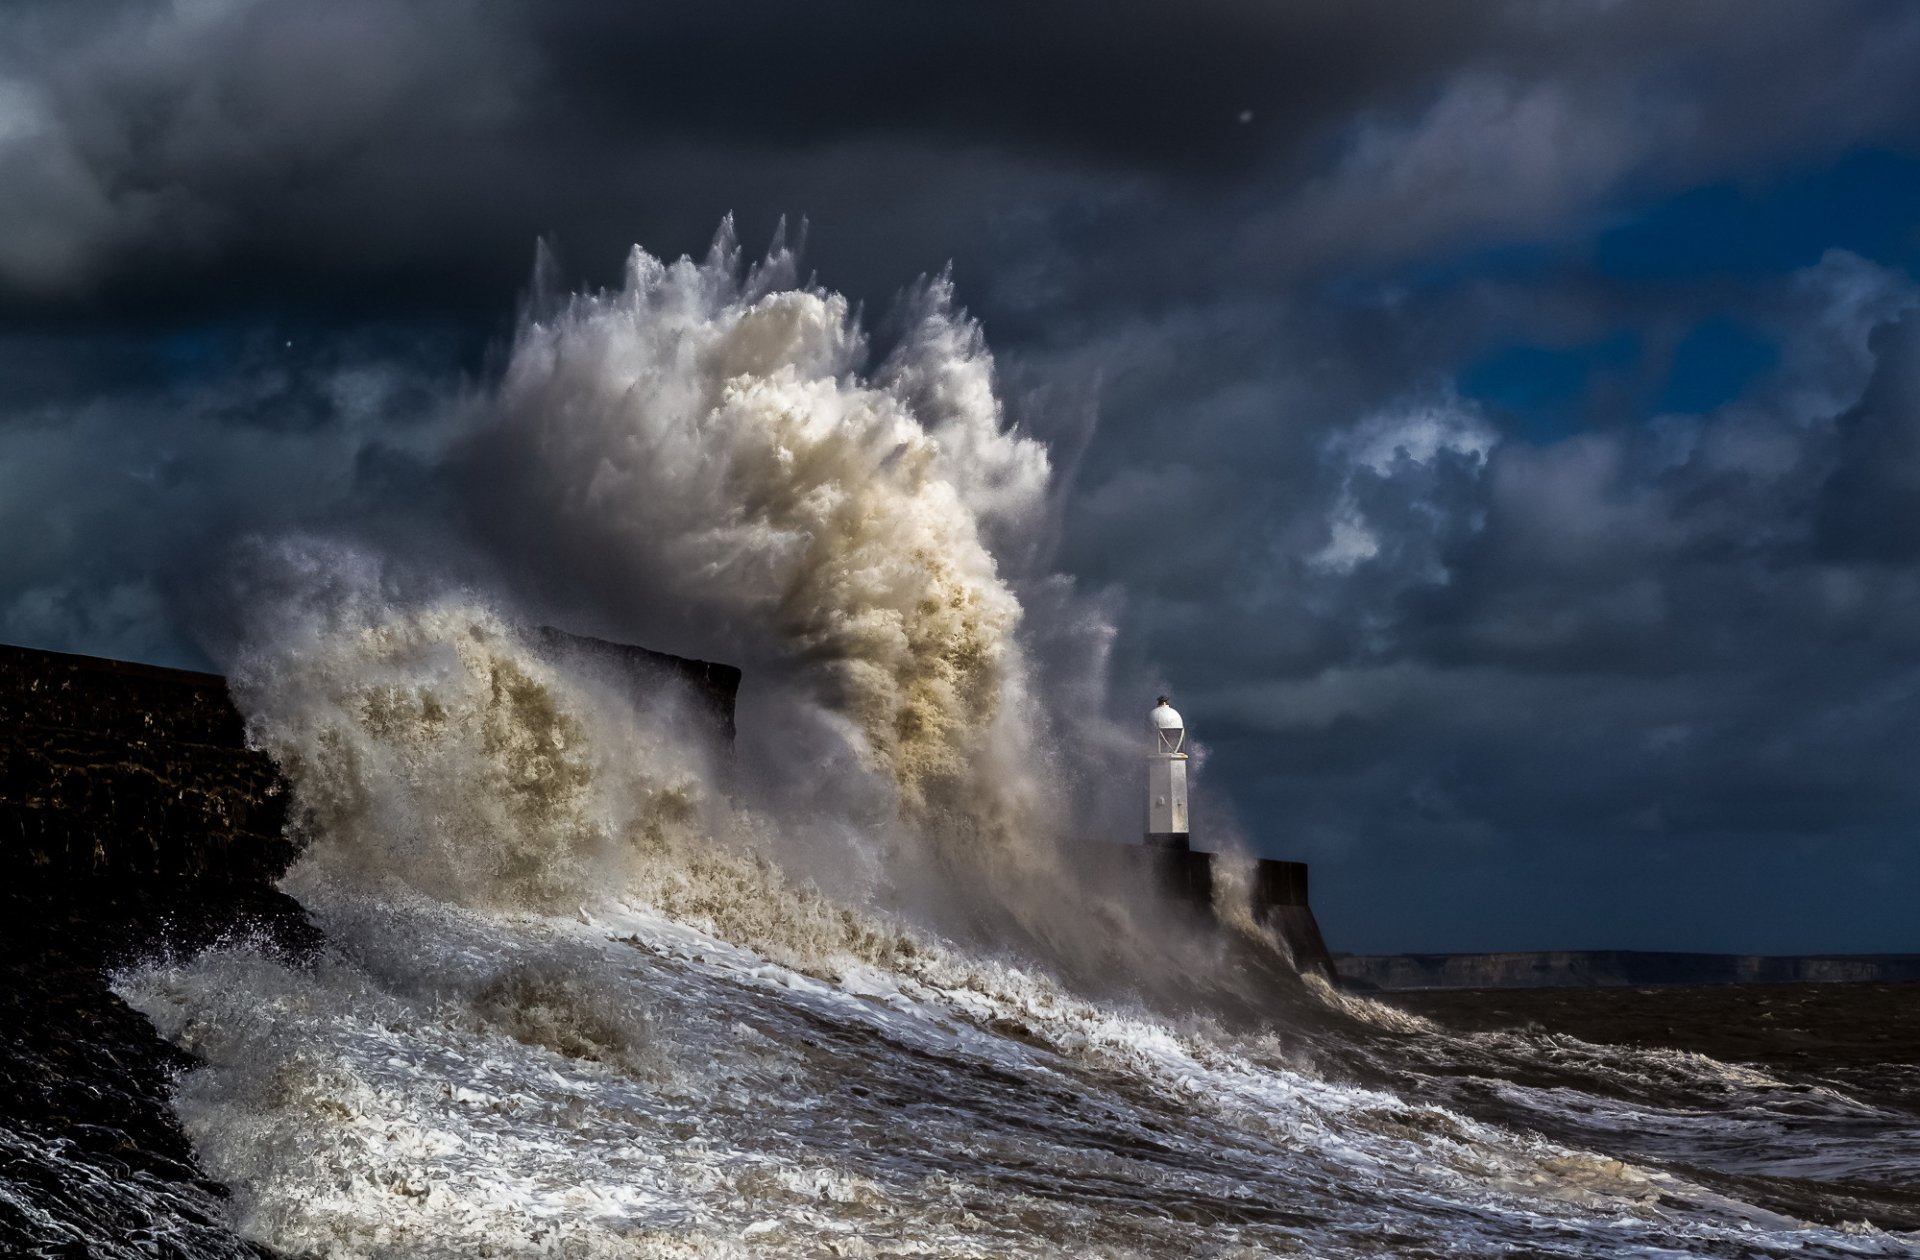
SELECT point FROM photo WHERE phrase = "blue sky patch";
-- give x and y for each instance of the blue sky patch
(1542, 392)
(1867, 202)
(1713, 365)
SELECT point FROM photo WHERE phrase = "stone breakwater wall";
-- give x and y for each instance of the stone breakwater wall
(709, 687)
(1274, 892)
(133, 818)
(116, 771)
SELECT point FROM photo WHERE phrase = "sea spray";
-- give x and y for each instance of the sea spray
(702, 460)
(433, 749)
(426, 744)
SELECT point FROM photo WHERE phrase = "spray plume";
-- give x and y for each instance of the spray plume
(709, 459)
(699, 461)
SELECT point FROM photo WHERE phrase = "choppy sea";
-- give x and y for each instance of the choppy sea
(441, 1082)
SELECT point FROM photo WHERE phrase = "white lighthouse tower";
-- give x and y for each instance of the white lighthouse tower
(1166, 778)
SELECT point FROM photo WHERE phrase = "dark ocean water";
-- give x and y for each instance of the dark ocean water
(1801, 1098)
(1864, 1038)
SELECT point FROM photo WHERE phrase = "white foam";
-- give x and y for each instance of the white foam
(382, 1103)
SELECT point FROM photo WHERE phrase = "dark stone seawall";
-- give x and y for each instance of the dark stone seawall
(710, 688)
(1275, 892)
(133, 819)
(1276, 896)
(110, 770)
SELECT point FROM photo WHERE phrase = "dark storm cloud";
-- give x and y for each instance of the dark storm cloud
(1125, 82)
(116, 508)
(186, 155)
(246, 246)
(1870, 504)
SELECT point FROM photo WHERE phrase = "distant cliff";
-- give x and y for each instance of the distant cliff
(1613, 968)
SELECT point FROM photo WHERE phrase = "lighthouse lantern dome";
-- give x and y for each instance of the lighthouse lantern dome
(1168, 730)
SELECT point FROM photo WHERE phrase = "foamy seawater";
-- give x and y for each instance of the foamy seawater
(452, 1083)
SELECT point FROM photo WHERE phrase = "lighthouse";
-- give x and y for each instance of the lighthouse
(1166, 778)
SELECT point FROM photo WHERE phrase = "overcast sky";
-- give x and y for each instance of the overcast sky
(1498, 423)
